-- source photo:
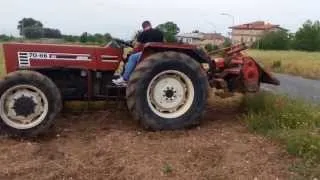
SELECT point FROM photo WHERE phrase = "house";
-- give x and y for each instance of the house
(190, 38)
(213, 38)
(251, 32)
(201, 39)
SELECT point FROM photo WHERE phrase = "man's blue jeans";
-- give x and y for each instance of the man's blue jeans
(131, 64)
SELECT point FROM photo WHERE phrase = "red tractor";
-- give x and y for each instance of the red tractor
(167, 91)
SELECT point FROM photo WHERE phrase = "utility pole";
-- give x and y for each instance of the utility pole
(230, 16)
(233, 21)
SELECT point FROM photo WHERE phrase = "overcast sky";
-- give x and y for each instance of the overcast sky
(122, 18)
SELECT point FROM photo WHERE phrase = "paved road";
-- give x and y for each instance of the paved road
(297, 87)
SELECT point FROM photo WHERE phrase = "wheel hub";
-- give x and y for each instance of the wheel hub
(168, 93)
(23, 106)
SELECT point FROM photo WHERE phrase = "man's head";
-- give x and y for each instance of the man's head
(146, 25)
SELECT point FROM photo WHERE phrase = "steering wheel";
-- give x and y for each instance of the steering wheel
(124, 43)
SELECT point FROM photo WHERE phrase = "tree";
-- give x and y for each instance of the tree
(27, 23)
(308, 36)
(51, 33)
(170, 30)
(33, 32)
(275, 40)
(107, 37)
(84, 37)
(227, 42)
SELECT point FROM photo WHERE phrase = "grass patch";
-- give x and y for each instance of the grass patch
(167, 169)
(292, 122)
(306, 64)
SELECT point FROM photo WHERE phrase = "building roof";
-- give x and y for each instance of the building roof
(213, 36)
(257, 25)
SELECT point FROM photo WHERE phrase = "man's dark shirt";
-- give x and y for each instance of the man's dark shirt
(151, 35)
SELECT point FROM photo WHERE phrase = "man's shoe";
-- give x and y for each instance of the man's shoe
(119, 82)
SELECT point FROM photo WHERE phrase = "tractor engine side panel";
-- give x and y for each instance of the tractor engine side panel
(79, 84)
(72, 83)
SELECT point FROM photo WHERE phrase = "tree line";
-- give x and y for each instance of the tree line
(34, 29)
(307, 38)
(30, 28)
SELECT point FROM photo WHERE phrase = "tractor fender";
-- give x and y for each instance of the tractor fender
(193, 51)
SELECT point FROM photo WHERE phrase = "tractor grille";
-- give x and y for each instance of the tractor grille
(23, 59)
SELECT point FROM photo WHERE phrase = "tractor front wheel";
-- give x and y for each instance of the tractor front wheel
(167, 91)
(29, 103)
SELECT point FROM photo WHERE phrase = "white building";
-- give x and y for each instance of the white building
(201, 38)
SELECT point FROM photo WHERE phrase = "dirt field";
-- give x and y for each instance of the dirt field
(109, 145)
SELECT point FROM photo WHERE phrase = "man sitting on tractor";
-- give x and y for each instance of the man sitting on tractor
(149, 34)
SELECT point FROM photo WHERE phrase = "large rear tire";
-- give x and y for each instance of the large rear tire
(167, 91)
(29, 103)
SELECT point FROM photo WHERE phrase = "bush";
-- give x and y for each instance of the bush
(227, 42)
(308, 37)
(95, 39)
(51, 33)
(278, 40)
(304, 144)
(269, 112)
(276, 64)
(210, 47)
(99, 38)
(293, 122)
(70, 38)
(5, 38)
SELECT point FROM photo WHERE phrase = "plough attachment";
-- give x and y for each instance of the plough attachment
(238, 72)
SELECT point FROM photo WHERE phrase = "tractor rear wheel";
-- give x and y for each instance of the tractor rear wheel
(167, 91)
(29, 103)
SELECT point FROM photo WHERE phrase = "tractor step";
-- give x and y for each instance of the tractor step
(114, 92)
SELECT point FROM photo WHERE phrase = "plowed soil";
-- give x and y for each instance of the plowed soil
(108, 144)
